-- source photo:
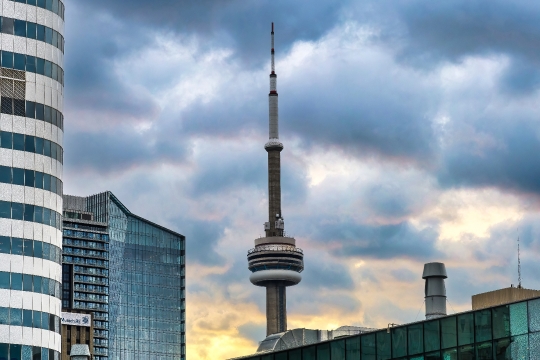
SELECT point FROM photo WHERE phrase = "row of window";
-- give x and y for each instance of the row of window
(90, 305)
(85, 252)
(34, 248)
(32, 64)
(85, 227)
(32, 110)
(32, 30)
(27, 212)
(32, 283)
(85, 243)
(91, 297)
(91, 279)
(25, 177)
(56, 6)
(92, 288)
(80, 260)
(32, 144)
(157, 301)
(101, 324)
(102, 333)
(92, 271)
(27, 352)
(29, 318)
(86, 235)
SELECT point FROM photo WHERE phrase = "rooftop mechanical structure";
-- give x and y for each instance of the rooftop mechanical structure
(275, 262)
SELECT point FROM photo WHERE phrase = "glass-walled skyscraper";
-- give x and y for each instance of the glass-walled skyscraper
(31, 156)
(145, 283)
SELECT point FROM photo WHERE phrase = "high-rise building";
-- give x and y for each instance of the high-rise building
(85, 272)
(31, 156)
(275, 262)
(131, 273)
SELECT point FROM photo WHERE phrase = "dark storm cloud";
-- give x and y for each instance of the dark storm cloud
(222, 174)
(224, 169)
(242, 25)
(400, 240)
(509, 164)
(94, 43)
(319, 274)
(366, 111)
(201, 239)
(119, 148)
(405, 275)
(430, 33)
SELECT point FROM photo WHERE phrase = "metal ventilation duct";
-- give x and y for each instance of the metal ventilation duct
(435, 291)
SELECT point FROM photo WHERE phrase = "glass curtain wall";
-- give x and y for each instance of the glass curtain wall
(508, 332)
(147, 284)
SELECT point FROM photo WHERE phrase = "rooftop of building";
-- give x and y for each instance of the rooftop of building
(511, 321)
(78, 203)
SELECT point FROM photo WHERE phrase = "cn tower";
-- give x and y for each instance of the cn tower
(275, 262)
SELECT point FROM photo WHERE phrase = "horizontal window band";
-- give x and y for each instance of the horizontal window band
(15, 351)
(34, 110)
(31, 144)
(32, 30)
(31, 283)
(28, 247)
(29, 318)
(33, 213)
(31, 178)
(32, 64)
(82, 260)
(55, 6)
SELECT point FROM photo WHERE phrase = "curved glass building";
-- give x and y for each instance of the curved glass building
(31, 156)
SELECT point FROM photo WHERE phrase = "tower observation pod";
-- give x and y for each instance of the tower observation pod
(275, 262)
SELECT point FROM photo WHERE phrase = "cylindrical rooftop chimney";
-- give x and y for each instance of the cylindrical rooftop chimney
(435, 291)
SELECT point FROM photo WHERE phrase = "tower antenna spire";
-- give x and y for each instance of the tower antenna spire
(272, 51)
(519, 264)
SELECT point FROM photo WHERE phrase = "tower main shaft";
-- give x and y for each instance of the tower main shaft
(275, 262)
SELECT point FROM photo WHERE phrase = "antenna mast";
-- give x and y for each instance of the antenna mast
(519, 266)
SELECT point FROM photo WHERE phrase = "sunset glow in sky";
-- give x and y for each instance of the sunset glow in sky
(411, 132)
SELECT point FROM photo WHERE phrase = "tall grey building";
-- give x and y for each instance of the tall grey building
(31, 156)
(275, 262)
(130, 273)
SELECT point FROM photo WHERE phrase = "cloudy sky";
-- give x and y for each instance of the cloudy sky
(411, 132)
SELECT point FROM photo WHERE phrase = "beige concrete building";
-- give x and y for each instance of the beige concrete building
(77, 328)
(503, 296)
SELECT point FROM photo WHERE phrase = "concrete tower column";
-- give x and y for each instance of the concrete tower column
(276, 311)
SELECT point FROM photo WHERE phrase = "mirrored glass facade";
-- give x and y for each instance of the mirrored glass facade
(31, 167)
(146, 267)
(507, 332)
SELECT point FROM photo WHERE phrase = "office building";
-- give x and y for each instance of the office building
(275, 262)
(130, 273)
(31, 157)
(77, 334)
